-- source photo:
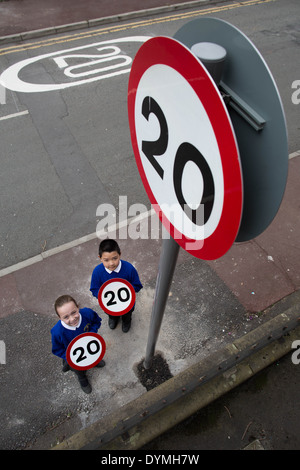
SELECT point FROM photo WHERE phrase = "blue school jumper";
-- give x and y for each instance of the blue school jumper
(62, 336)
(127, 271)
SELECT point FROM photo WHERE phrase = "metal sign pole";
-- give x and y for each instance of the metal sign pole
(215, 57)
(167, 264)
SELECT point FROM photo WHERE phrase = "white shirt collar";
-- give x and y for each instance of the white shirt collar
(115, 270)
(72, 327)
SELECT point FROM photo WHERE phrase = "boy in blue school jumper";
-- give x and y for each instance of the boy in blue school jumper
(113, 267)
(73, 322)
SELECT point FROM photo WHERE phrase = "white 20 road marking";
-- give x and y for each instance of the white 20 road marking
(10, 77)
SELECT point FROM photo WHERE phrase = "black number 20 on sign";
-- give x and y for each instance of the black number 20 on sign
(85, 351)
(186, 152)
(79, 353)
(185, 147)
(116, 297)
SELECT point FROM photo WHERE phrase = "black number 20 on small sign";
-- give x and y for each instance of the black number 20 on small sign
(122, 295)
(85, 351)
(116, 296)
(80, 353)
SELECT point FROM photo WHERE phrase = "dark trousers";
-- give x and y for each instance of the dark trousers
(81, 374)
(125, 318)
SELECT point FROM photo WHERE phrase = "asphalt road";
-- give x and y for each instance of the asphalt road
(59, 166)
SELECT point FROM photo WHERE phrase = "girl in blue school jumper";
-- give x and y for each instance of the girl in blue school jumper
(113, 267)
(73, 322)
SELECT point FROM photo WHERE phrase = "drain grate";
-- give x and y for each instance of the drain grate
(158, 373)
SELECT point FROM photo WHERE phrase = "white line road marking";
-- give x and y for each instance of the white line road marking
(294, 154)
(10, 77)
(9, 116)
(79, 241)
(67, 246)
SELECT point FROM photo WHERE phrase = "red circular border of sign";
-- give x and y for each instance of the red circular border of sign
(168, 51)
(130, 306)
(88, 333)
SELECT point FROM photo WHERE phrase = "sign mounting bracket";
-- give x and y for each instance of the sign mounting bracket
(241, 107)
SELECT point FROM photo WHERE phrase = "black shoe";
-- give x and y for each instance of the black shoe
(112, 322)
(86, 388)
(126, 327)
(101, 364)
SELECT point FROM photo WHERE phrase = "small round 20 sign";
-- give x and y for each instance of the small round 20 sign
(116, 297)
(85, 351)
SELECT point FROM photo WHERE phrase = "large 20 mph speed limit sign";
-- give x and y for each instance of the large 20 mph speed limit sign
(185, 147)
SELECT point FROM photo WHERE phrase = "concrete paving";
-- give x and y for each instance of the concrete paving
(219, 314)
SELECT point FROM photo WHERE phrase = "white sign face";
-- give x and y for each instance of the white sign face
(85, 351)
(116, 297)
(83, 64)
(176, 98)
(185, 147)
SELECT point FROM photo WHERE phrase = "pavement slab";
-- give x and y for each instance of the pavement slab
(264, 270)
